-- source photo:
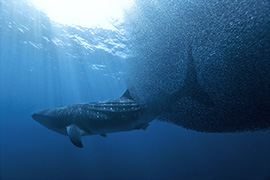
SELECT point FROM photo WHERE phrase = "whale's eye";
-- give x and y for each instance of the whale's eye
(86, 13)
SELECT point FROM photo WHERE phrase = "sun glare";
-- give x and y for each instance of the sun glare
(86, 13)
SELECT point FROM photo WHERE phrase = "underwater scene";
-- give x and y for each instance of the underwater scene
(161, 89)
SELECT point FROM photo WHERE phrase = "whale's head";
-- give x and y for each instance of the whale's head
(51, 119)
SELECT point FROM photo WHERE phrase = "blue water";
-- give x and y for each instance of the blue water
(44, 64)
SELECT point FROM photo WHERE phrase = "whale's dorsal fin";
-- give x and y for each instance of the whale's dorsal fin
(75, 133)
(127, 95)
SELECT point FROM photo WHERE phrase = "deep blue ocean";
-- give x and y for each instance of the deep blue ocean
(44, 64)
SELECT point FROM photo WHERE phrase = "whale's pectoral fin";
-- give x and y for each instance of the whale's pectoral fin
(74, 133)
(103, 135)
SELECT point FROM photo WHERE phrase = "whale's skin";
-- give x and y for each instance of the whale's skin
(122, 114)
(229, 42)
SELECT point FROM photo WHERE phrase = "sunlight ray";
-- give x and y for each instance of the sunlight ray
(86, 13)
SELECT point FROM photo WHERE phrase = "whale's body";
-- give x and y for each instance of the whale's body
(122, 114)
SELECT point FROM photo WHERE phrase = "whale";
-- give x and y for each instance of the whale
(74, 121)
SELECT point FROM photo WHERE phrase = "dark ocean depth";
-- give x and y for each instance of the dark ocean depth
(44, 65)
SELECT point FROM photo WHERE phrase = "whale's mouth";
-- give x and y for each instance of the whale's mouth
(42, 115)
(46, 119)
(38, 116)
